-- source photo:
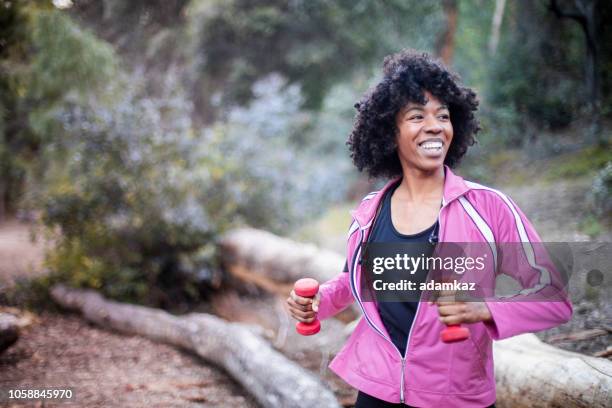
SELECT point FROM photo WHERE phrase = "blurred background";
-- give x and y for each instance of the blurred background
(133, 134)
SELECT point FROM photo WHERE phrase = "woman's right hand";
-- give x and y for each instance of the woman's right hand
(303, 309)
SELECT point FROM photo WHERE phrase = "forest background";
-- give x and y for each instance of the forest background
(137, 132)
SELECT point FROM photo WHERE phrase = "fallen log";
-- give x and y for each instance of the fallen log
(604, 353)
(272, 263)
(277, 259)
(9, 330)
(530, 373)
(272, 315)
(271, 378)
(578, 336)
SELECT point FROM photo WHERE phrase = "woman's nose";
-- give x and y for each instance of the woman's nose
(432, 125)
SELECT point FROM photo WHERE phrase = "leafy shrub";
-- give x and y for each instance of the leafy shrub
(585, 162)
(140, 196)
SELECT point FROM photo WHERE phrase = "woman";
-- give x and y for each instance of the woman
(412, 128)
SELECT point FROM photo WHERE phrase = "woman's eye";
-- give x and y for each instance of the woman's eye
(444, 117)
(416, 117)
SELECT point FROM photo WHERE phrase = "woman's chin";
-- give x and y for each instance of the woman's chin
(430, 165)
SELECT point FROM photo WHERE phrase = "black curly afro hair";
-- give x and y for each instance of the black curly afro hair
(407, 74)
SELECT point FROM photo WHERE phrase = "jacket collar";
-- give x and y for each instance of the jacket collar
(454, 187)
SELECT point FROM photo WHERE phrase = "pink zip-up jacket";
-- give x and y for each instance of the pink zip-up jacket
(433, 373)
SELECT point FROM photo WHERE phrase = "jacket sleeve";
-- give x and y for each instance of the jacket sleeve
(336, 294)
(542, 301)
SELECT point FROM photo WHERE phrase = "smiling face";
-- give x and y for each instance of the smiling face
(425, 135)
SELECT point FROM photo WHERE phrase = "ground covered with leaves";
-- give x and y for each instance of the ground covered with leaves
(112, 370)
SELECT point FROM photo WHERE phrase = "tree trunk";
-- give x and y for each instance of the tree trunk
(271, 378)
(445, 46)
(498, 17)
(585, 14)
(530, 373)
(592, 67)
(273, 263)
(9, 330)
(277, 259)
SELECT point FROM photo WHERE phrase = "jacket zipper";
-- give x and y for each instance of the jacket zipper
(416, 314)
(403, 358)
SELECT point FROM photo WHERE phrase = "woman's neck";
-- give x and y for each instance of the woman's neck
(419, 186)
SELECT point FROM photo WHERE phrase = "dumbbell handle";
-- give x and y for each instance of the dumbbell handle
(454, 332)
(307, 287)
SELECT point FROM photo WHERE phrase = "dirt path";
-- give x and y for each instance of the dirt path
(103, 368)
(111, 370)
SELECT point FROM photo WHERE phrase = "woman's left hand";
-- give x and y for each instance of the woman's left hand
(453, 312)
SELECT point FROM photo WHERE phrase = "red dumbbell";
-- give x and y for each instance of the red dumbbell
(454, 333)
(307, 287)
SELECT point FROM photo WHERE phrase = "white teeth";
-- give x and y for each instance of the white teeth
(432, 145)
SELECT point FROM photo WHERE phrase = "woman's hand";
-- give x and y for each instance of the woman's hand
(303, 309)
(453, 312)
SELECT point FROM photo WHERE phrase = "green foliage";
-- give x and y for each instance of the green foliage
(48, 59)
(129, 24)
(583, 163)
(471, 58)
(315, 43)
(115, 189)
(538, 70)
(139, 189)
(139, 196)
(66, 58)
(517, 167)
(591, 225)
(13, 56)
(72, 265)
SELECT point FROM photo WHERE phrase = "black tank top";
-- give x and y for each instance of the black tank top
(399, 316)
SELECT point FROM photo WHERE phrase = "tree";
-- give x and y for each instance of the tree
(445, 47)
(586, 14)
(536, 73)
(314, 44)
(44, 57)
(496, 23)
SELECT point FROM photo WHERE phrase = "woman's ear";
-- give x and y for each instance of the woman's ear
(395, 137)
